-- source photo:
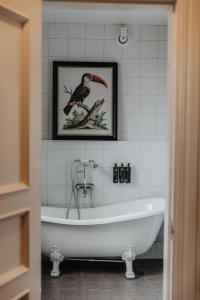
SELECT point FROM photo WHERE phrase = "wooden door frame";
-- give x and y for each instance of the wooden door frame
(184, 187)
(20, 99)
(150, 2)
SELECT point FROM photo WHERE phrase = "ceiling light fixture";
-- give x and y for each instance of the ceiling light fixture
(122, 37)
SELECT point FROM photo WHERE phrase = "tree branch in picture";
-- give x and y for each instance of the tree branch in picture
(70, 92)
(85, 107)
(89, 120)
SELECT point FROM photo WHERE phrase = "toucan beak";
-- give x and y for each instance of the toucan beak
(98, 79)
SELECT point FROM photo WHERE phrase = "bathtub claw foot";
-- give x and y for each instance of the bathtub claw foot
(56, 257)
(128, 256)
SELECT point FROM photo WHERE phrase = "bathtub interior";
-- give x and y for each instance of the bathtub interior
(118, 212)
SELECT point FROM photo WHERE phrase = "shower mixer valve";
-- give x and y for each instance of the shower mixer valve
(83, 186)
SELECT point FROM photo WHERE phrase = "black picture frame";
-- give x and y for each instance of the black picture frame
(74, 64)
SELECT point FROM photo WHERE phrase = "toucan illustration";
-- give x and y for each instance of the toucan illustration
(82, 91)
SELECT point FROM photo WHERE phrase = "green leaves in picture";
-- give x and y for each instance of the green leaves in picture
(87, 118)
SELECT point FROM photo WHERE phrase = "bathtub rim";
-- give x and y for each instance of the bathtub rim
(102, 221)
(106, 220)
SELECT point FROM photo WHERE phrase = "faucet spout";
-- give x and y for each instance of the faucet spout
(84, 187)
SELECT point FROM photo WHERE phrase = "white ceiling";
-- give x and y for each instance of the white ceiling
(60, 12)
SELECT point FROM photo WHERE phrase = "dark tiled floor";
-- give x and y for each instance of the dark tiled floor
(103, 281)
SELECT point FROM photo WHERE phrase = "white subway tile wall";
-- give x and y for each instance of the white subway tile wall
(142, 72)
(142, 114)
(148, 161)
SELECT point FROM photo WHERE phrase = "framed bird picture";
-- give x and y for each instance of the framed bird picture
(85, 100)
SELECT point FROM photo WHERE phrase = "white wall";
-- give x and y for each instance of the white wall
(142, 72)
(142, 113)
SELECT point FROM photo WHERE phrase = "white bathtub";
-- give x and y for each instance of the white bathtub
(121, 230)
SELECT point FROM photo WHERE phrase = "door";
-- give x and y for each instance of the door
(20, 92)
(185, 179)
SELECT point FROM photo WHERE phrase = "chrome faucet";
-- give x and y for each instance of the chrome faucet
(85, 186)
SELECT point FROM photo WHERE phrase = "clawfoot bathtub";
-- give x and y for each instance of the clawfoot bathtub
(121, 230)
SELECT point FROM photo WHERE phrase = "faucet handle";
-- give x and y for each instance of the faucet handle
(80, 186)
